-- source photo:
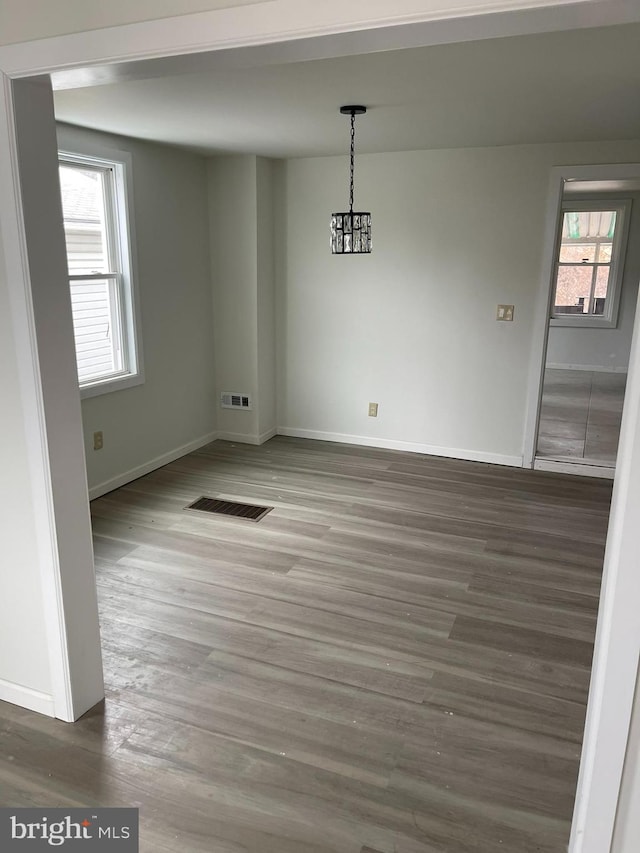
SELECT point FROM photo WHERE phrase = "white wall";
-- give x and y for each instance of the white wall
(266, 235)
(67, 589)
(614, 669)
(412, 326)
(242, 271)
(605, 349)
(233, 219)
(627, 832)
(24, 659)
(174, 408)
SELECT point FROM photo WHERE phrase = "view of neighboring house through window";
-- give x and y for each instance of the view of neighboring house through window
(98, 257)
(590, 264)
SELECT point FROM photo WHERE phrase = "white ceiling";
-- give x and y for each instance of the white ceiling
(558, 86)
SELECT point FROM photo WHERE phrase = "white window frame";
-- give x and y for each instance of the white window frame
(609, 319)
(120, 223)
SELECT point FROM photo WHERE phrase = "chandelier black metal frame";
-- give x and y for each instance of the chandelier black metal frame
(351, 230)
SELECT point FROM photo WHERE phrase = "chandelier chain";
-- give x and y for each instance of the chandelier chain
(353, 142)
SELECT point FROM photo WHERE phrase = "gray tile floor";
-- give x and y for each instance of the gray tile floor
(580, 416)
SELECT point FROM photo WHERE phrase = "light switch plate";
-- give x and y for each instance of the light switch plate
(505, 312)
(373, 410)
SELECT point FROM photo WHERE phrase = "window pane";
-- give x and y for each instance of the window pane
(96, 327)
(589, 271)
(85, 224)
(578, 252)
(605, 252)
(585, 224)
(602, 285)
(573, 289)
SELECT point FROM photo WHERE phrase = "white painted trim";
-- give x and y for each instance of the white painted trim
(607, 722)
(290, 20)
(617, 643)
(128, 246)
(596, 368)
(622, 208)
(410, 446)
(265, 436)
(247, 438)
(577, 468)
(557, 177)
(539, 336)
(108, 386)
(149, 466)
(25, 697)
(239, 437)
(20, 296)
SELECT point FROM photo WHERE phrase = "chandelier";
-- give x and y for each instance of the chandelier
(351, 230)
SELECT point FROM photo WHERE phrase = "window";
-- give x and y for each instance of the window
(590, 263)
(94, 206)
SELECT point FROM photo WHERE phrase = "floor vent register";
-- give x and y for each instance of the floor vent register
(248, 512)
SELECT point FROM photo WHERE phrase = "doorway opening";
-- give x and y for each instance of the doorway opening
(589, 325)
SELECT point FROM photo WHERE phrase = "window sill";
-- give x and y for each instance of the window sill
(574, 321)
(107, 386)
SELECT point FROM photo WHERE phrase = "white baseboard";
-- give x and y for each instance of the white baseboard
(25, 697)
(410, 446)
(151, 465)
(575, 468)
(244, 438)
(596, 368)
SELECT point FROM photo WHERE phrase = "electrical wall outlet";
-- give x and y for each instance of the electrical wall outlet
(373, 410)
(98, 440)
(505, 312)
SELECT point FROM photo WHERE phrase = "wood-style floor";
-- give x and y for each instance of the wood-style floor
(395, 660)
(580, 416)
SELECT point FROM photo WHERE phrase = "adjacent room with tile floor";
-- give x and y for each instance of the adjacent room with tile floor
(580, 416)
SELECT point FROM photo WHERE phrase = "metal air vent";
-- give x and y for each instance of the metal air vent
(235, 400)
(250, 512)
